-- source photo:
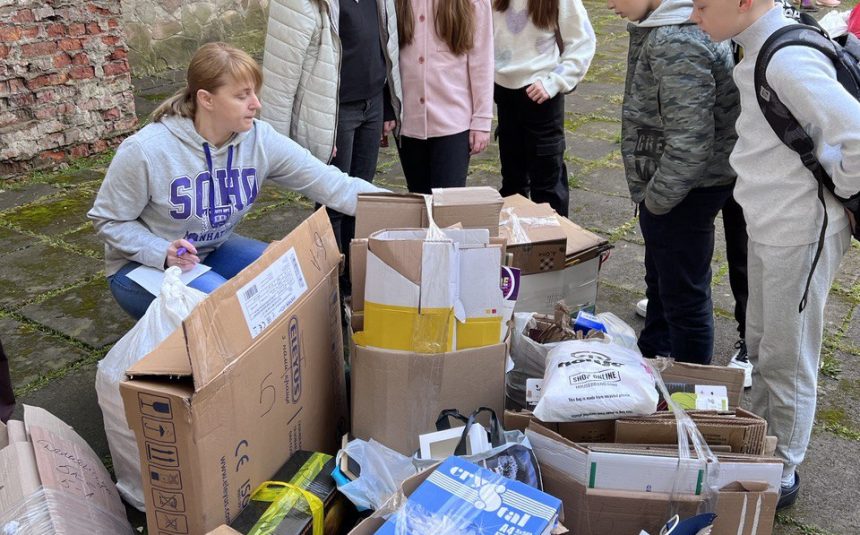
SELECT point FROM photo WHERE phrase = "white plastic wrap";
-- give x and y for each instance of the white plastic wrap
(515, 224)
(595, 380)
(164, 315)
(528, 356)
(49, 512)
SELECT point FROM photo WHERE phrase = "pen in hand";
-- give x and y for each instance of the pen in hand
(182, 250)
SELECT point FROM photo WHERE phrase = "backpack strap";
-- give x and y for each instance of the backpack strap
(785, 125)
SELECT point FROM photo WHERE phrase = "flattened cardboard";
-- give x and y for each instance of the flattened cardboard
(592, 431)
(260, 386)
(698, 374)
(51, 459)
(397, 395)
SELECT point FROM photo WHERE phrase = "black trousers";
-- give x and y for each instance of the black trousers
(436, 162)
(679, 246)
(531, 147)
(7, 398)
(735, 227)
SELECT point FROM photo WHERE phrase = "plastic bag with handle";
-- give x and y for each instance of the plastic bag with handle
(173, 304)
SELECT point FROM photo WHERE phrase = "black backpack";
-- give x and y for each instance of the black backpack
(845, 56)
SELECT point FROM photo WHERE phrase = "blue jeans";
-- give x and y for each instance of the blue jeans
(226, 261)
(678, 250)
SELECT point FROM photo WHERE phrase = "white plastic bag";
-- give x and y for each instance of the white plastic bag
(164, 315)
(595, 380)
(383, 470)
(835, 23)
(619, 332)
(528, 356)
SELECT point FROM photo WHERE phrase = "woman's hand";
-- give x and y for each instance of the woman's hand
(478, 141)
(388, 127)
(537, 93)
(182, 253)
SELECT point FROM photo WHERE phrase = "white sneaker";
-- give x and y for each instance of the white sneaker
(741, 361)
(642, 307)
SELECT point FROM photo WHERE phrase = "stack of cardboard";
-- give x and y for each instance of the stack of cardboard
(52, 482)
(618, 476)
(426, 314)
(559, 260)
(254, 374)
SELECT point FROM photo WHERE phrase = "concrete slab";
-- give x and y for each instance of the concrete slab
(28, 273)
(11, 240)
(626, 269)
(56, 215)
(87, 313)
(609, 180)
(33, 353)
(583, 145)
(15, 195)
(598, 211)
(273, 225)
(86, 239)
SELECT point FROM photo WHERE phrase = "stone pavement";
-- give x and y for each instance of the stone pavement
(57, 318)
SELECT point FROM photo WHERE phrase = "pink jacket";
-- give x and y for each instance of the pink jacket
(445, 94)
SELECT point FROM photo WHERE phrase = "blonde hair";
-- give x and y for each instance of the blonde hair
(212, 66)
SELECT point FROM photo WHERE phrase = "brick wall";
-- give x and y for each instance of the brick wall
(65, 88)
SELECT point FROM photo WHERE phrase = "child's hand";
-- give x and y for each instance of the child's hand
(478, 141)
(388, 127)
(537, 93)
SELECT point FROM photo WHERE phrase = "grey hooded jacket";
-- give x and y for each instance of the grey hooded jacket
(680, 108)
(301, 70)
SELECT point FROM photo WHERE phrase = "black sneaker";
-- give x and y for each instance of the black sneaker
(788, 495)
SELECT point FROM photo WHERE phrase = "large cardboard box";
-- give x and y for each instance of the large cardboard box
(254, 374)
(397, 395)
(576, 285)
(472, 207)
(51, 481)
(592, 510)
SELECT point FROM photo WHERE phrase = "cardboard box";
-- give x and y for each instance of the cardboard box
(742, 430)
(254, 374)
(51, 481)
(698, 374)
(594, 511)
(576, 284)
(535, 238)
(592, 431)
(397, 395)
(286, 510)
(472, 207)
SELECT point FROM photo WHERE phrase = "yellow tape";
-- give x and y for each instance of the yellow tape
(285, 496)
(478, 332)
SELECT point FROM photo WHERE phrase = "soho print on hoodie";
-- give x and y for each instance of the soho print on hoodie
(166, 182)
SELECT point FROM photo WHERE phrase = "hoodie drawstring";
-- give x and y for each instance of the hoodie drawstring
(213, 223)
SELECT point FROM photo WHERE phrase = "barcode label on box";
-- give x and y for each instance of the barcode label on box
(272, 292)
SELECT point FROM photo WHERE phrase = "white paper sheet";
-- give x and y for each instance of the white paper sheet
(151, 278)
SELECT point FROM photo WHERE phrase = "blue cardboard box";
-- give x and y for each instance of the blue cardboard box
(462, 498)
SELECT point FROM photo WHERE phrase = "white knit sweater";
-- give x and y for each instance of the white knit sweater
(526, 53)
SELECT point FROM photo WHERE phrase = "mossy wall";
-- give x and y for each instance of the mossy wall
(163, 34)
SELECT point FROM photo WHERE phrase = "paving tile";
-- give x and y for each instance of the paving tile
(27, 273)
(273, 225)
(606, 179)
(626, 268)
(598, 211)
(32, 353)
(88, 313)
(86, 239)
(21, 194)
(11, 240)
(581, 145)
(56, 215)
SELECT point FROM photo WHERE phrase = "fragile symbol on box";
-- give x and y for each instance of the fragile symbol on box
(165, 479)
(155, 406)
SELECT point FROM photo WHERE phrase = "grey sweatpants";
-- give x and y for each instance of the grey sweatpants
(784, 345)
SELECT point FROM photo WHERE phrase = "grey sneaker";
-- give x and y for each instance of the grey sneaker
(741, 360)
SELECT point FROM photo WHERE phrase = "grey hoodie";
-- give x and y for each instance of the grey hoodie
(166, 183)
(680, 106)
